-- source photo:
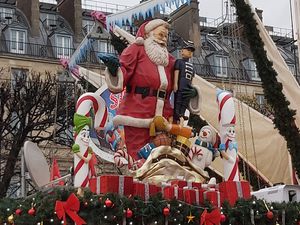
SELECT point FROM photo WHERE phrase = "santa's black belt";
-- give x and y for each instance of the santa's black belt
(167, 156)
(147, 91)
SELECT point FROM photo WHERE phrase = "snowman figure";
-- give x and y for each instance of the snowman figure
(202, 153)
(229, 153)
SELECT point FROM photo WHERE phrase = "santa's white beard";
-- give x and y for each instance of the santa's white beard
(157, 53)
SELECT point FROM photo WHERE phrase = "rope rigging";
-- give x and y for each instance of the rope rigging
(234, 49)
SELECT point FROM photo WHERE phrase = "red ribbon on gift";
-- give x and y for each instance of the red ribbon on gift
(212, 218)
(69, 207)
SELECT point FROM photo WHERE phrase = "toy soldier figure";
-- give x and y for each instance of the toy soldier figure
(183, 76)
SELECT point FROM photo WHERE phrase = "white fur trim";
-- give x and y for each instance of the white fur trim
(195, 103)
(132, 121)
(139, 41)
(114, 84)
(163, 85)
(151, 25)
(142, 122)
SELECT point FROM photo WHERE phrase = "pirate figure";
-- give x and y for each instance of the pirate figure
(183, 76)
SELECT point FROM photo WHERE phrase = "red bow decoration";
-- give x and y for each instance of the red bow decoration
(212, 218)
(71, 207)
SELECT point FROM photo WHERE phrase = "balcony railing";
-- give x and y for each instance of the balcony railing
(280, 32)
(43, 51)
(215, 23)
(212, 22)
(55, 52)
(102, 6)
(218, 72)
(49, 1)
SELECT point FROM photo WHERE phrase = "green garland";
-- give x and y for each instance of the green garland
(94, 211)
(283, 116)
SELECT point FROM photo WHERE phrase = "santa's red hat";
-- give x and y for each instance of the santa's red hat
(146, 27)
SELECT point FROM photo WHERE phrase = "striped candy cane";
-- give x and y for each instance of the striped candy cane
(226, 111)
(86, 103)
(89, 101)
(121, 153)
(227, 122)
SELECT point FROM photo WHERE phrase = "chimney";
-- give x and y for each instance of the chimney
(259, 13)
(71, 10)
(32, 11)
(188, 15)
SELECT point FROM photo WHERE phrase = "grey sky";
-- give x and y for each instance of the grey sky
(275, 12)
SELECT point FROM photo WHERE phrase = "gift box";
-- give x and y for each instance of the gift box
(171, 192)
(183, 183)
(191, 196)
(122, 185)
(213, 196)
(145, 190)
(145, 151)
(233, 190)
(94, 184)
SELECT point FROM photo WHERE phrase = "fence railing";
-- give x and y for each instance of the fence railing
(212, 22)
(43, 51)
(280, 32)
(54, 2)
(55, 52)
(96, 5)
(211, 71)
(215, 23)
(102, 6)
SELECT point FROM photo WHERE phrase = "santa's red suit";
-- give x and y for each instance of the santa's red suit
(148, 88)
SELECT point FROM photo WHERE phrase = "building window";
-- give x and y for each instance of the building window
(51, 20)
(17, 41)
(104, 46)
(87, 25)
(6, 14)
(63, 45)
(253, 71)
(260, 99)
(18, 77)
(221, 66)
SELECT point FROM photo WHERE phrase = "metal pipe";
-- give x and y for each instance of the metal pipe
(293, 37)
(23, 178)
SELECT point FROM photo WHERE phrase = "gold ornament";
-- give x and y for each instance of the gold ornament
(190, 217)
(10, 219)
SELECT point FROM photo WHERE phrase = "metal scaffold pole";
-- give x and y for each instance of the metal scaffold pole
(23, 178)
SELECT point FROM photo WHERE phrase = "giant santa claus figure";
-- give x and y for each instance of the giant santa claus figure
(145, 69)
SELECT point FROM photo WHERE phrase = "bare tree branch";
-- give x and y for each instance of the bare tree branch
(27, 112)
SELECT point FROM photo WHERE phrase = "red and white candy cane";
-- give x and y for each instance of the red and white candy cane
(89, 101)
(226, 111)
(86, 103)
(226, 119)
(195, 151)
(121, 153)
